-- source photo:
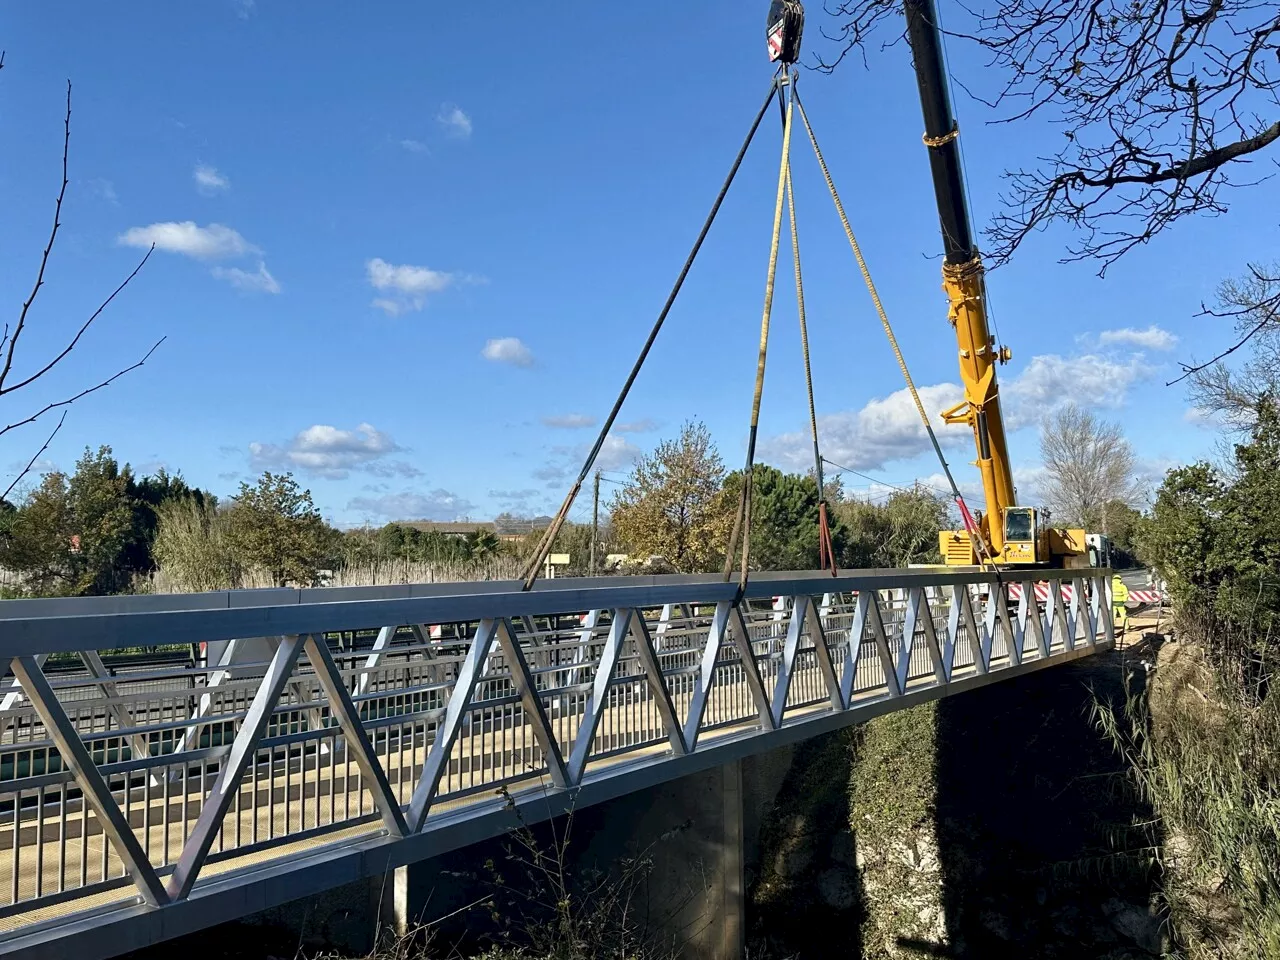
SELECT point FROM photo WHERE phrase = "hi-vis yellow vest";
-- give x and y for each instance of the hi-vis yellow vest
(1119, 592)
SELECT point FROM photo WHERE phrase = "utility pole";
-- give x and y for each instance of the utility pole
(595, 527)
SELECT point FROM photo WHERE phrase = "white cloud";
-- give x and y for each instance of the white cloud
(644, 425)
(214, 242)
(616, 454)
(454, 121)
(884, 430)
(1152, 338)
(251, 281)
(439, 505)
(888, 429)
(414, 146)
(328, 452)
(569, 421)
(104, 189)
(1049, 381)
(407, 285)
(209, 181)
(508, 350)
(244, 8)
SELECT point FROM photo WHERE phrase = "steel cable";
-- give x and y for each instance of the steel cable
(548, 538)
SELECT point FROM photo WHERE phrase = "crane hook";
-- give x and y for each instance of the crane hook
(785, 29)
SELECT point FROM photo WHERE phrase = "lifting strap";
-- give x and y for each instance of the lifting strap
(826, 555)
(742, 522)
(980, 549)
(534, 565)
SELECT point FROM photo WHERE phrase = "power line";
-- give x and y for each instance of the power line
(884, 483)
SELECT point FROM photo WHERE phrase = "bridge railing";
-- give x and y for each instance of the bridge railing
(128, 784)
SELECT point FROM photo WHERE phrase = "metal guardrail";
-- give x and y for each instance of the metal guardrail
(166, 798)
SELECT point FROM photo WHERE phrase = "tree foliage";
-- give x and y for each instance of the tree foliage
(1089, 464)
(275, 525)
(90, 532)
(674, 506)
(1215, 538)
(784, 519)
(902, 530)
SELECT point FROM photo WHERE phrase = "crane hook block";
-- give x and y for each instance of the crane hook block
(786, 27)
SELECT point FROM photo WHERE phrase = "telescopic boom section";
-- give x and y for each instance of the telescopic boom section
(962, 275)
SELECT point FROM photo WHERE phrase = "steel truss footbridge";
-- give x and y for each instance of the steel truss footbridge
(322, 736)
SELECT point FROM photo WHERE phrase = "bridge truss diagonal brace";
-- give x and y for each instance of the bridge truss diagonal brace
(1059, 617)
(96, 792)
(818, 633)
(1029, 615)
(227, 786)
(598, 699)
(790, 648)
(998, 618)
(646, 649)
(740, 634)
(872, 614)
(941, 667)
(456, 709)
(527, 689)
(1102, 607)
(976, 631)
(706, 672)
(853, 649)
(1085, 607)
(344, 711)
(1077, 610)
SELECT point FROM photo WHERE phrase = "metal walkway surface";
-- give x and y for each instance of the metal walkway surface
(334, 734)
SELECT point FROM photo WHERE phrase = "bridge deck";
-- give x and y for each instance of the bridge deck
(155, 801)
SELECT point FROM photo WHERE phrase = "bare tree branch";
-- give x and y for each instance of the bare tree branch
(83, 393)
(1252, 303)
(79, 333)
(32, 462)
(1160, 104)
(48, 249)
(9, 342)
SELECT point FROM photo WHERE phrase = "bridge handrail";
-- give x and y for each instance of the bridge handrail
(72, 624)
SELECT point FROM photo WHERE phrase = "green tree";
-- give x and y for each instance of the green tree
(1215, 539)
(275, 525)
(70, 535)
(673, 504)
(481, 545)
(784, 519)
(902, 530)
(402, 542)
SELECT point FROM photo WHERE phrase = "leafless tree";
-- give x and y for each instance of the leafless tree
(1252, 304)
(1160, 104)
(1090, 464)
(12, 381)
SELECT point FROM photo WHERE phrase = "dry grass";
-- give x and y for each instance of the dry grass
(1209, 765)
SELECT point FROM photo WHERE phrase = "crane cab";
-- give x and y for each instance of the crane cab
(1029, 541)
(1021, 535)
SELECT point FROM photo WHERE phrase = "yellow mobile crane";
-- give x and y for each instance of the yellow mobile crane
(1005, 533)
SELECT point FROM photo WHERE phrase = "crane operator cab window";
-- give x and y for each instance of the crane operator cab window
(1019, 524)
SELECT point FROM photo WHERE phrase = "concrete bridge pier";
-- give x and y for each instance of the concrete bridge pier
(689, 830)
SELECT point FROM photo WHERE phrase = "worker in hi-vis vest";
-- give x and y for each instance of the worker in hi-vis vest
(1119, 597)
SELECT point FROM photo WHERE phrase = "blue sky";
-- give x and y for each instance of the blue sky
(411, 255)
